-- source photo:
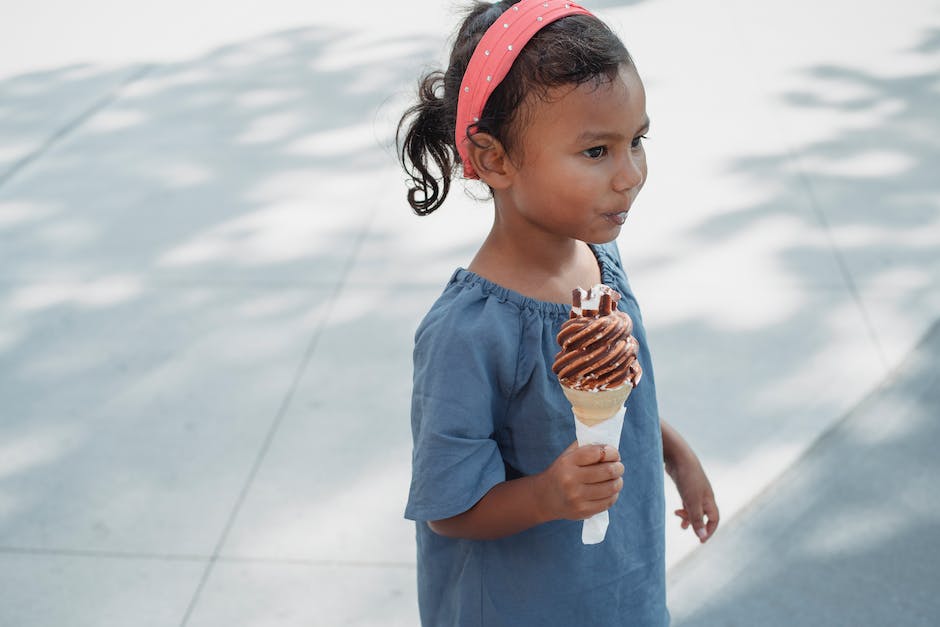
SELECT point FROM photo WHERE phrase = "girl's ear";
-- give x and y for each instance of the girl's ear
(490, 160)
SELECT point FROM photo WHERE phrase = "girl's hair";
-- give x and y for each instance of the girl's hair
(573, 50)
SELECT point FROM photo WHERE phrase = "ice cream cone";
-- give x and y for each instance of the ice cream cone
(597, 368)
(594, 407)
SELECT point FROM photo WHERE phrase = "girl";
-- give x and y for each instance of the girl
(543, 104)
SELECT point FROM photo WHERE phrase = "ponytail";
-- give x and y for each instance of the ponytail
(426, 146)
(426, 131)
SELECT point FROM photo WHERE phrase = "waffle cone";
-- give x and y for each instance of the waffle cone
(591, 408)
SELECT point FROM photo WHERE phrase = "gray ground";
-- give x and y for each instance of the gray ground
(209, 283)
(847, 536)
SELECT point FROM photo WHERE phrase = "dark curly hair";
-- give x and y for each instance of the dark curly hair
(574, 50)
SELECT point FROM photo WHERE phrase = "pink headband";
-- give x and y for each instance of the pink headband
(493, 57)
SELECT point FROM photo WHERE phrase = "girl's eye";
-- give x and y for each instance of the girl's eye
(638, 141)
(596, 152)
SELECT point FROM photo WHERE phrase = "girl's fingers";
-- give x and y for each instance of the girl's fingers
(601, 491)
(703, 529)
(711, 512)
(602, 473)
(693, 516)
(594, 454)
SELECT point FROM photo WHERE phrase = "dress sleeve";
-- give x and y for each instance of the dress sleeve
(464, 371)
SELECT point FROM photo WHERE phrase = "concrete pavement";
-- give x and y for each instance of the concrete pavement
(206, 258)
(847, 536)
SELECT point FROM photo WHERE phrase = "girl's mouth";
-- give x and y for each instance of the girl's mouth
(617, 218)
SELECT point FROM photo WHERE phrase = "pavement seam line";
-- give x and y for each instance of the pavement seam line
(72, 125)
(180, 557)
(844, 270)
(279, 417)
(97, 554)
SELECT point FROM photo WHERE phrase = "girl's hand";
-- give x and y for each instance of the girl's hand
(699, 509)
(581, 482)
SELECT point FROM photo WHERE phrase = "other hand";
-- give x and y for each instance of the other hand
(699, 509)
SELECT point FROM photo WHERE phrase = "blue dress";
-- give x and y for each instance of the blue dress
(486, 408)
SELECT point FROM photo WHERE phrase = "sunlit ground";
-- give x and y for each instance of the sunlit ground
(210, 280)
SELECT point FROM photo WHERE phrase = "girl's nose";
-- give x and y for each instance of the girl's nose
(631, 172)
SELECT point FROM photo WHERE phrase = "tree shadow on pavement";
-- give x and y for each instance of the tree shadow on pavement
(866, 226)
(847, 536)
(168, 267)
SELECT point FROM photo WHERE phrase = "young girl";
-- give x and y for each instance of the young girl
(543, 104)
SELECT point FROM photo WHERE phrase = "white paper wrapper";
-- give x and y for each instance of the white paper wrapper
(607, 432)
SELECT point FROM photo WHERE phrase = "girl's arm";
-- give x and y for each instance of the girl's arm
(698, 499)
(580, 483)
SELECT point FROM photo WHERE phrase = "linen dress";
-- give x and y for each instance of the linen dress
(487, 408)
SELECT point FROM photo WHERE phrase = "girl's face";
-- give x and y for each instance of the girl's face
(581, 161)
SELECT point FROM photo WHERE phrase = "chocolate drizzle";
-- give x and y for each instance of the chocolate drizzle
(598, 351)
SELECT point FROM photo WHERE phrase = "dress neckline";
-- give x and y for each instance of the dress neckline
(462, 275)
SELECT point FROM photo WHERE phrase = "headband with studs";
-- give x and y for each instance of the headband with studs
(493, 57)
